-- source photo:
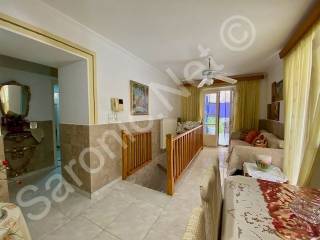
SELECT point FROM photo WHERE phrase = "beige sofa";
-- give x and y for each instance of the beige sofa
(241, 154)
(272, 130)
(241, 151)
(273, 140)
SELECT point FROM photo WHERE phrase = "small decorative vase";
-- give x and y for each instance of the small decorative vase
(263, 162)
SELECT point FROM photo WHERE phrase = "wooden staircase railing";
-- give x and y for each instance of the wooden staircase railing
(136, 152)
(181, 150)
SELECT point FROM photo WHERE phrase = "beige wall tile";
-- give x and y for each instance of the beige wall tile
(105, 152)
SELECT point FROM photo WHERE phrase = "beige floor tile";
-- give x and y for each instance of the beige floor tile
(74, 205)
(107, 209)
(105, 236)
(160, 235)
(41, 228)
(125, 211)
(144, 194)
(134, 222)
(78, 229)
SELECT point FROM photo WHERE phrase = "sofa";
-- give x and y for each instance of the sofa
(272, 140)
(241, 151)
(272, 130)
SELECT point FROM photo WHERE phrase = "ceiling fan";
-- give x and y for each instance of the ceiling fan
(209, 75)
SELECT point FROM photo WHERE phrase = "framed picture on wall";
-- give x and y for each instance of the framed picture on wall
(274, 111)
(277, 91)
(139, 98)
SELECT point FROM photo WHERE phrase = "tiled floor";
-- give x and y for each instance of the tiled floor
(124, 211)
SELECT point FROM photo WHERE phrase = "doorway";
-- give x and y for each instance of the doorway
(56, 102)
(217, 115)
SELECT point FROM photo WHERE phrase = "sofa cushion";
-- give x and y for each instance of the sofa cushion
(251, 136)
(273, 141)
(236, 142)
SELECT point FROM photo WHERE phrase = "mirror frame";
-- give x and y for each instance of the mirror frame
(28, 97)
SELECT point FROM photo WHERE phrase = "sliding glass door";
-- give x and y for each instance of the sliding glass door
(210, 119)
(217, 115)
(224, 117)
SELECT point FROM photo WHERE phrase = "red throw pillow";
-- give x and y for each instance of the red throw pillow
(251, 136)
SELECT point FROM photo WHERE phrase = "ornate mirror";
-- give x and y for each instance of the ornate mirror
(14, 99)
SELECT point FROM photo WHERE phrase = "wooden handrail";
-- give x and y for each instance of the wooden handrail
(136, 152)
(181, 150)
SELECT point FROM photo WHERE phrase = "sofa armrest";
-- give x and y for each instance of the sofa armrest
(235, 135)
(241, 154)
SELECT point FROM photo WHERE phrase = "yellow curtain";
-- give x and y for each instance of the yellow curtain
(246, 105)
(190, 105)
(302, 109)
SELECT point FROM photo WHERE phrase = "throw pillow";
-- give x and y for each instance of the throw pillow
(251, 136)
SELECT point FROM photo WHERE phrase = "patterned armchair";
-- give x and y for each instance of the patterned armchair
(211, 197)
(196, 227)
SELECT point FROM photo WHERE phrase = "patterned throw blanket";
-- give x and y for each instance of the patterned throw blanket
(278, 198)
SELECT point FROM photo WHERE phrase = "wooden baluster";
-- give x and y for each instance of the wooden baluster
(129, 154)
(181, 155)
(189, 148)
(144, 146)
(176, 158)
(148, 147)
(170, 180)
(181, 159)
(124, 155)
(185, 150)
(150, 144)
(135, 152)
(139, 150)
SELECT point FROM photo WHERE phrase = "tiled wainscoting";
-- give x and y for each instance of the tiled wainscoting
(99, 147)
(43, 156)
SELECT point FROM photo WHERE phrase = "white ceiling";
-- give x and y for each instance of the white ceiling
(167, 33)
(18, 46)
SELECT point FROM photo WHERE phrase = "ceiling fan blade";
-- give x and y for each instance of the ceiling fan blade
(203, 82)
(226, 79)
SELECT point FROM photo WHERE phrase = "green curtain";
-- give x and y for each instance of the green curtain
(302, 108)
(246, 105)
(190, 105)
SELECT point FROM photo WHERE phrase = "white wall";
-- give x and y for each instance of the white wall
(74, 105)
(41, 102)
(115, 66)
(274, 74)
